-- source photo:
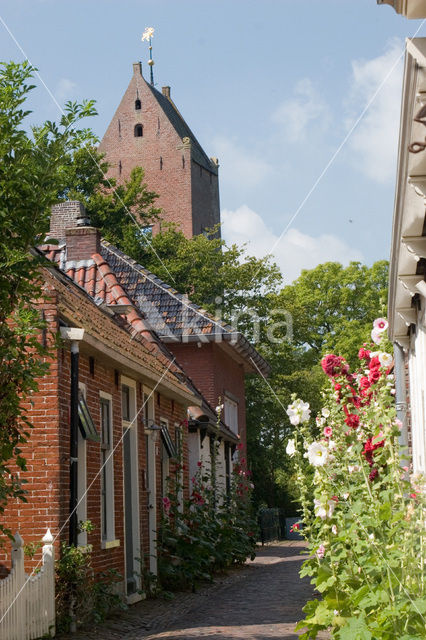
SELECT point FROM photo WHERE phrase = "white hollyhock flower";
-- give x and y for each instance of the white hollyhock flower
(325, 412)
(385, 359)
(319, 509)
(317, 454)
(334, 529)
(290, 448)
(298, 412)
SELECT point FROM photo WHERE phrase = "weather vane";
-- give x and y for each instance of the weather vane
(147, 35)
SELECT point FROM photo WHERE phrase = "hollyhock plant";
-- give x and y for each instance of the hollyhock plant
(362, 517)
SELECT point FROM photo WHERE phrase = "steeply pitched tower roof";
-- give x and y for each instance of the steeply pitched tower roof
(182, 129)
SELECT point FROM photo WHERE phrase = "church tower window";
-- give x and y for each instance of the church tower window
(138, 105)
(138, 131)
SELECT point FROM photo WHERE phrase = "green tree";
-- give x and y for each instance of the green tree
(31, 175)
(332, 309)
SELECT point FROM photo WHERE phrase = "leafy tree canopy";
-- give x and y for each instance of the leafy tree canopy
(31, 176)
(332, 309)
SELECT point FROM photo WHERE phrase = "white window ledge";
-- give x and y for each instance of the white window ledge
(110, 544)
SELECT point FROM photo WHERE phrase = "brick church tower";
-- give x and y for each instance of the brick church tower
(147, 130)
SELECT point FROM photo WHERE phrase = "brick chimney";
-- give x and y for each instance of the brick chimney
(67, 215)
(82, 243)
(69, 222)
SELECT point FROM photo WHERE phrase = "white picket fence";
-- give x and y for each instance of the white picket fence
(27, 603)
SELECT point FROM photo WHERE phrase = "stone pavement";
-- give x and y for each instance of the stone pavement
(261, 601)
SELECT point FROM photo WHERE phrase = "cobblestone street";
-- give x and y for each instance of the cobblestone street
(261, 601)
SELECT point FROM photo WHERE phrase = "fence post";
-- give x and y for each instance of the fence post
(49, 568)
(18, 607)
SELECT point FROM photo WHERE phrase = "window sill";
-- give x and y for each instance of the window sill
(110, 544)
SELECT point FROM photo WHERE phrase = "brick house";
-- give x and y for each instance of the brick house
(137, 407)
(126, 384)
(148, 130)
(213, 356)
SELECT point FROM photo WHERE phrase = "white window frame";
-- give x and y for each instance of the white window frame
(179, 473)
(131, 424)
(81, 477)
(107, 478)
(165, 466)
(231, 413)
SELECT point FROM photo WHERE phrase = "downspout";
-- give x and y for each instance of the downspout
(74, 335)
(401, 393)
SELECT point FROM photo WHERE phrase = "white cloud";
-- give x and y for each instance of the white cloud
(239, 166)
(374, 142)
(65, 90)
(296, 115)
(295, 250)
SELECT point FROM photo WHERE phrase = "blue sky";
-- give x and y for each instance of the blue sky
(271, 87)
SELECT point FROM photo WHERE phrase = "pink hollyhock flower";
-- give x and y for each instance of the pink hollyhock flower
(166, 504)
(295, 527)
(334, 529)
(328, 432)
(334, 365)
(380, 324)
(320, 551)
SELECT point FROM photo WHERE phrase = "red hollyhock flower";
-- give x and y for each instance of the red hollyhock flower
(364, 383)
(334, 365)
(295, 527)
(374, 363)
(364, 354)
(352, 420)
(370, 447)
(374, 375)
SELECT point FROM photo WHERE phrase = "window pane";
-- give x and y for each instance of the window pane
(125, 402)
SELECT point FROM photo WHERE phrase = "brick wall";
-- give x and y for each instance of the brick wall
(214, 372)
(190, 202)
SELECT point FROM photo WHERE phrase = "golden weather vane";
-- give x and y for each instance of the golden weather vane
(147, 35)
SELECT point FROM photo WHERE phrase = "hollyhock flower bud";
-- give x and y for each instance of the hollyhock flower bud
(291, 448)
(320, 551)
